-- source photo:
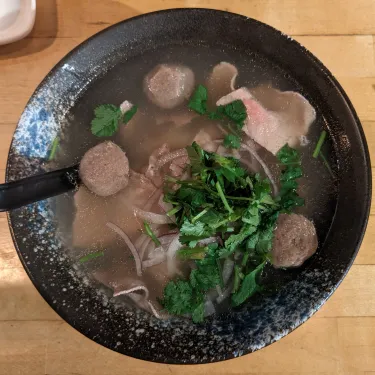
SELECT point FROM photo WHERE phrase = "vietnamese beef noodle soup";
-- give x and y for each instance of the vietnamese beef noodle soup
(206, 181)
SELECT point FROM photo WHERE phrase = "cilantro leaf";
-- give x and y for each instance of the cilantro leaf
(193, 197)
(197, 229)
(252, 241)
(248, 287)
(198, 313)
(288, 155)
(106, 120)
(180, 298)
(288, 197)
(251, 216)
(128, 115)
(291, 173)
(235, 111)
(198, 101)
(205, 276)
(232, 141)
(236, 239)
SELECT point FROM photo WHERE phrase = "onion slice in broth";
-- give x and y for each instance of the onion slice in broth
(124, 236)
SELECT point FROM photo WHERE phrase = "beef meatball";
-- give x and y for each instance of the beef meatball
(104, 169)
(168, 86)
(295, 240)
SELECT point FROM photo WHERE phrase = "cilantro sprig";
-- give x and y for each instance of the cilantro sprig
(107, 119)
(221, 199)
(233, 113)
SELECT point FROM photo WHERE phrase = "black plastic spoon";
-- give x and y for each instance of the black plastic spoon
(19, 193)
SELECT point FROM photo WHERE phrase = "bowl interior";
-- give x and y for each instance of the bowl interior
(96, 72)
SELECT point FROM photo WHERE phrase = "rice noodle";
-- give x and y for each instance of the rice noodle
(169, 157)
(247, 147)
(152, 217)
(124, 236)
(171, 254)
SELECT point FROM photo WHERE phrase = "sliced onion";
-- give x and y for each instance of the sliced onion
(155, 260)
(219, 290)
(166, 239)
(153, 199)
(152, 217)
(140, 240)
(249, 165)
(124, 236)
(165, 159)
(131, 290)
(228, 267)
(143, 248)
(171, 254)
(164, 205)
(143, 303)
(207, 241)
(226, 293)
(209, 308)
(250, 148)
(153, 310)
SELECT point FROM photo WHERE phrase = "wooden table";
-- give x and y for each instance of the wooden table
(339, 339)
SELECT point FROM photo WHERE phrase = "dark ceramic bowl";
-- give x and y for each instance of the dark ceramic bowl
(42, 249)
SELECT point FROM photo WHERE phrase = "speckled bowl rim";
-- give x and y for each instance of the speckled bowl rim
(319, 281)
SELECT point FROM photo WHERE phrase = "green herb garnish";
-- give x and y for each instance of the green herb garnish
(288, 197)
(248, 287)
(128, 115)
(318, 152)
(54, 146)
(107, 119)
(151, 234)
(232, 113)
(221, 199)
(198, 101)
(232, 141)
(319, 145)
(88, 257)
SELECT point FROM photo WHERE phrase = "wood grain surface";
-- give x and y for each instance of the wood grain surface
(339, 339)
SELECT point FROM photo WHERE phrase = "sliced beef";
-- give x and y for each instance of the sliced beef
(239, 94)
(274, 117)
(295, 240)
(104, 169)
(168, 86)
(221, 80)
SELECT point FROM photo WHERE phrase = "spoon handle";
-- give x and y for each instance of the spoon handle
(19, 193)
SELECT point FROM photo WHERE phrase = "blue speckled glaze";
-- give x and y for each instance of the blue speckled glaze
(29, 139)
(258, 323)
